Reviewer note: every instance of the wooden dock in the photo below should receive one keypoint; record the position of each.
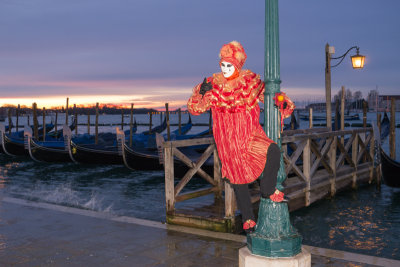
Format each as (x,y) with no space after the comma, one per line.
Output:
(318,163)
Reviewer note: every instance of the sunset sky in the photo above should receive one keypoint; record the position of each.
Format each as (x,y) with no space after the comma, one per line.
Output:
(150,52)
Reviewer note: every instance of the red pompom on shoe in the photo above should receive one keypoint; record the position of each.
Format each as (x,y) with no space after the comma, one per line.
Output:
(277,196)
(249,225)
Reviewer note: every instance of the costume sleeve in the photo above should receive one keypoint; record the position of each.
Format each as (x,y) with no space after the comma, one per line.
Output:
(289,107)
(254,88)
(197,103)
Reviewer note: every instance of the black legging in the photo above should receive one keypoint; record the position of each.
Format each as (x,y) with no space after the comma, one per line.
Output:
(267,183)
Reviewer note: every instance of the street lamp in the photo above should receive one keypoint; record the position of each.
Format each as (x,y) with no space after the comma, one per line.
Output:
(357,62)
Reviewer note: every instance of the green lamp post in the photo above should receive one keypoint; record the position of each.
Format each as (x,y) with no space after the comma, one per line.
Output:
(274,236)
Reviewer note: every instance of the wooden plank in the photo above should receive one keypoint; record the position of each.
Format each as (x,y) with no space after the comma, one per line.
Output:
(193,170)
(190,142)
(230,201)
(306,169)
(169,179)
(288,139)
(292,160)
(217,173)
(344,152)
(304,131)
(363,150)
(354,158)
(195,194)
(321,157)
(192,165)
(332,163)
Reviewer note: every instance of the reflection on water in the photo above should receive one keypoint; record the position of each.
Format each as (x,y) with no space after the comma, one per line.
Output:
(364,221)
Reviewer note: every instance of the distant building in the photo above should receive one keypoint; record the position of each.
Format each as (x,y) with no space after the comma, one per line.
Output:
(386,100)
(382,102)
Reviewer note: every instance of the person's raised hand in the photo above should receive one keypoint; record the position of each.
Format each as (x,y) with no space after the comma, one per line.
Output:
(205,87)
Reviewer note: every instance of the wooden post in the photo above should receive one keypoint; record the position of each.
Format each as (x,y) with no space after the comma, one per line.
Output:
(179,121)
(292,121)
(307,170)
(378,121)
(337,114)
(88,121)
(167,116)
(332,164)
(371,153)
(122,118)
(150,122)
(96,126)
(29,121)
(210,123)
(328,86)
(66,112)
(131,127)
(56,122)
(17,121)
(310,121)
(230,201)
(35,122)
(392,135)
(217,174)
(354,155)
(169,179)
(364,113)
(44,123)
(9,120)
(342,109)
(76,119)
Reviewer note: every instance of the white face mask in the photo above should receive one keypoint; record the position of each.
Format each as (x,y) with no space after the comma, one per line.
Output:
(227,69)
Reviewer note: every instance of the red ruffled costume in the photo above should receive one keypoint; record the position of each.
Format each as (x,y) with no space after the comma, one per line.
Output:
(241,141)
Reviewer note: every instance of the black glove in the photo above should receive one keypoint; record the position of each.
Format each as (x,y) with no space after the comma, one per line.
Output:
(205,87)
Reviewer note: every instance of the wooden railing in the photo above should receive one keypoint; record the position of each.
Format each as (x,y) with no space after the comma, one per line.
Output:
(173,193)
(318,162)
(321,162)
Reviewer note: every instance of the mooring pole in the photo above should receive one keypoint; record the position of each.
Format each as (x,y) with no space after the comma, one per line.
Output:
(122,118)
(274,235)
(131,127)
(35,122)
(44,123)
(18,108)
(96,126)
(56,122)
(76,119)
(9,121)
(66,112)
(392,135)
(167,117)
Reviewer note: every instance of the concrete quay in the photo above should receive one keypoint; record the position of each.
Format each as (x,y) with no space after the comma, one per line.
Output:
(41,234)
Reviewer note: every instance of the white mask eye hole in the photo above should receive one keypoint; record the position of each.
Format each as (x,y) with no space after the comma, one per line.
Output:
(227,69)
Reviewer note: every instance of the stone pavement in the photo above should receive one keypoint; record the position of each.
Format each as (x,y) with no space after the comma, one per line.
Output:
(40,234)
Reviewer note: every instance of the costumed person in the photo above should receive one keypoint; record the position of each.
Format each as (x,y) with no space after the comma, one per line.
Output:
(244,149)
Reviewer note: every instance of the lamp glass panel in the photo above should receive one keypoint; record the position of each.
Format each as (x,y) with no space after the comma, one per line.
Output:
(357,61)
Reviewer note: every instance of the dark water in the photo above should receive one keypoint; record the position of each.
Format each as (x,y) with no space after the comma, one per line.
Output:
(365,221)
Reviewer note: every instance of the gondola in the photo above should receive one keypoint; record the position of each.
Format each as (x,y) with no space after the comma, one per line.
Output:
(83,149)
(13,144)
(50,150)
(390,170)
(150,159)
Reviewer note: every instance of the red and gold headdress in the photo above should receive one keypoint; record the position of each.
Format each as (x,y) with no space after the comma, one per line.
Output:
(233,52)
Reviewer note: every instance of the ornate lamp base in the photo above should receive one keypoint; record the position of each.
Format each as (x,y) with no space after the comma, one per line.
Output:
(274,235)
